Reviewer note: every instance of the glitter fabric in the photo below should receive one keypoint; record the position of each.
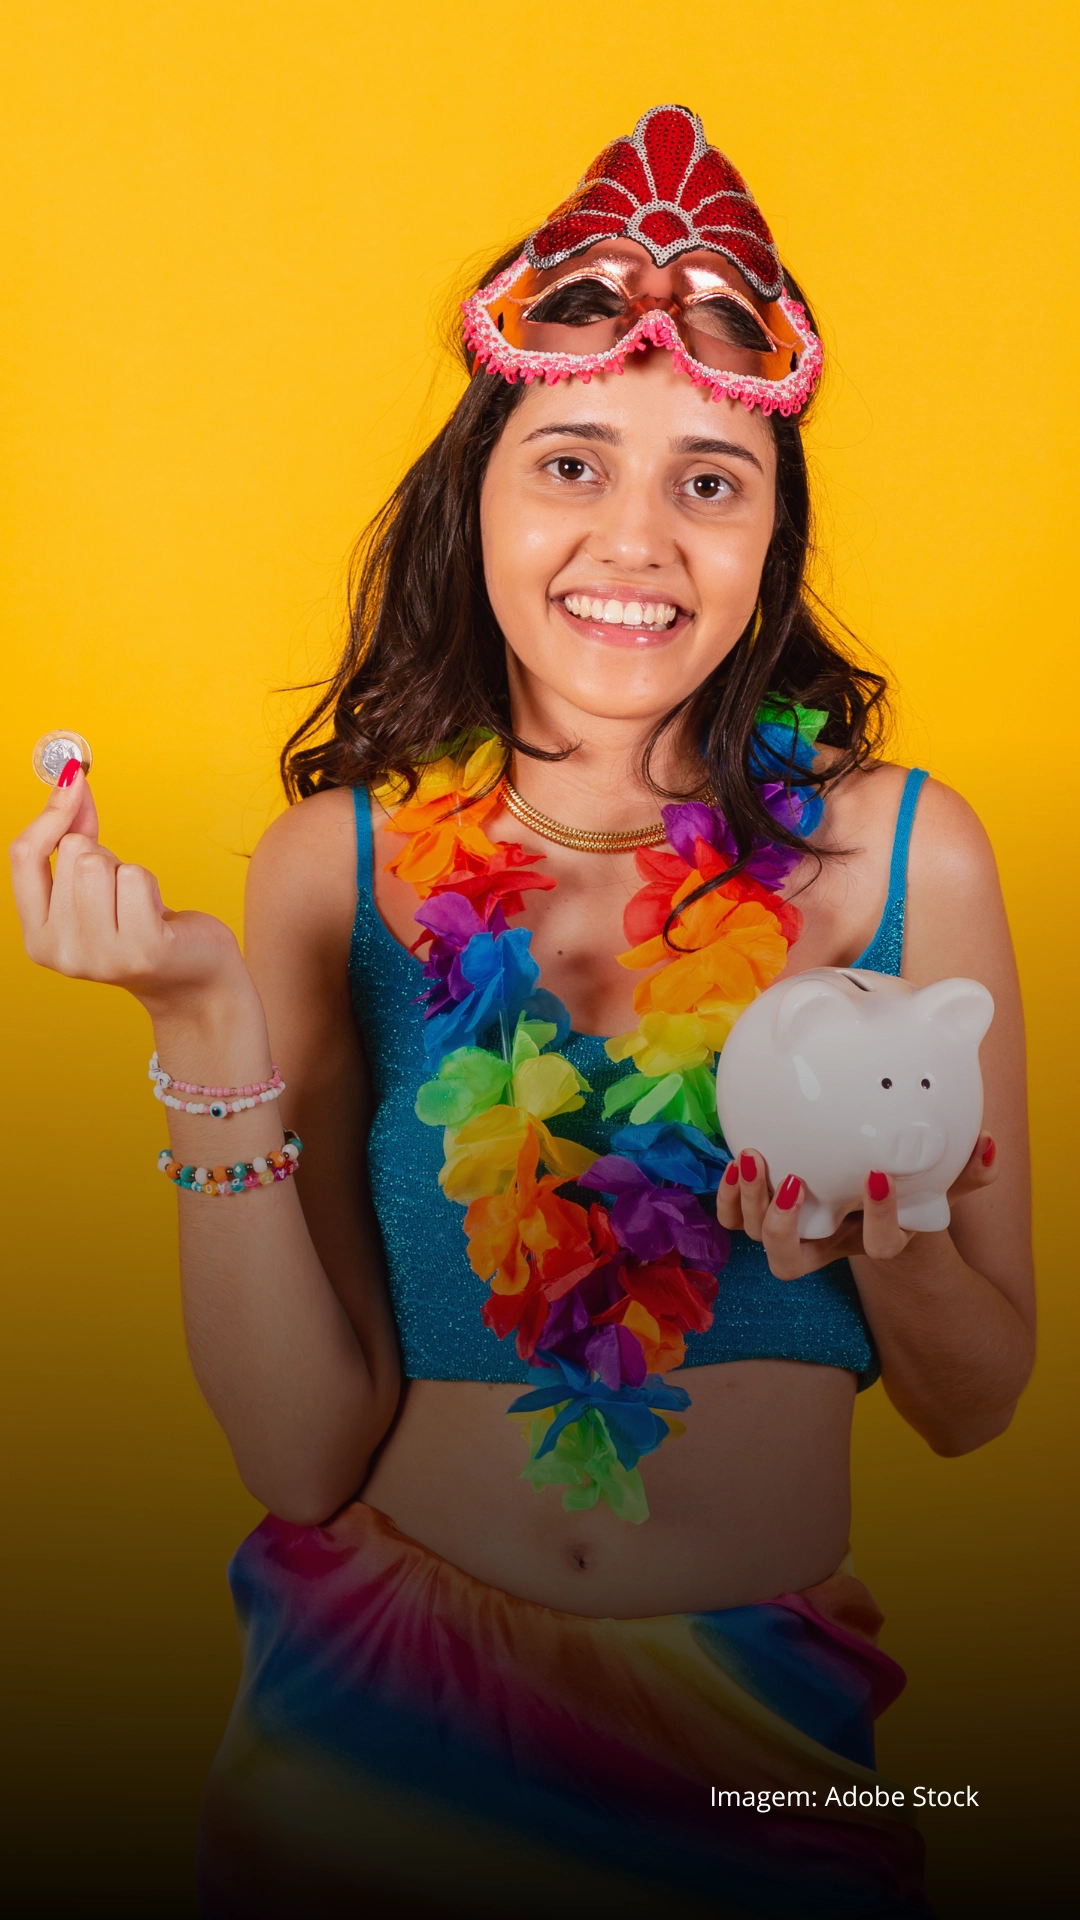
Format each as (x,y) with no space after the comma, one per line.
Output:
(437,1298)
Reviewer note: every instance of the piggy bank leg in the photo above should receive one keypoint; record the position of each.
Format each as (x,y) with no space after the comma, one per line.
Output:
(923,1213)
(818,1220)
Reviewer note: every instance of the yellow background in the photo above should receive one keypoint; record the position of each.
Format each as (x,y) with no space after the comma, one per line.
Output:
(229,230)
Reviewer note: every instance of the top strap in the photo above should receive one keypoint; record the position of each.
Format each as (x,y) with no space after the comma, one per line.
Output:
(365,860)
(885,953)
(905,818)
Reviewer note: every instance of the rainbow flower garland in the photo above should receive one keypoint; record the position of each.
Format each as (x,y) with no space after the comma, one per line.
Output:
(600,1298)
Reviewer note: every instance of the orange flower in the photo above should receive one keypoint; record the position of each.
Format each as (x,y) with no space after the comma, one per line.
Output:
(443,833)
(718,980)
(443,817)
(505,1228)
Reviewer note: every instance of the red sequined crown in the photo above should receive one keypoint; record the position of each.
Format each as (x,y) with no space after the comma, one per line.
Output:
(668,189)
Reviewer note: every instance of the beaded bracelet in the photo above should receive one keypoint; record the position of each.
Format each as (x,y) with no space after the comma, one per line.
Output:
(216,1102)
(242,1177)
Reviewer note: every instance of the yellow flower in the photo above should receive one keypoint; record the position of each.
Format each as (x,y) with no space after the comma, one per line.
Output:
(664,1043)
(482,1155)
(443,817)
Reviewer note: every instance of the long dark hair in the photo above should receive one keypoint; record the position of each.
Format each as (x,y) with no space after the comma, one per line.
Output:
(425,660)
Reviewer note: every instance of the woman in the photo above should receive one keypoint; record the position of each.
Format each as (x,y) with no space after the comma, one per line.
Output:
(582,1650)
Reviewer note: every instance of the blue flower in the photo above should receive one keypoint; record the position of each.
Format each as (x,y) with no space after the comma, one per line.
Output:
(673,1150)
(501,975)
(780,752)
(627,1412)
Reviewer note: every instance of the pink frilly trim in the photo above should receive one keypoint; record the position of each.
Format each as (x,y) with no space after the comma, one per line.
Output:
(495,354)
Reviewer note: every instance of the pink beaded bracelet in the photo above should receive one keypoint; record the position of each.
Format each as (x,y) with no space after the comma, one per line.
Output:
(216,1102)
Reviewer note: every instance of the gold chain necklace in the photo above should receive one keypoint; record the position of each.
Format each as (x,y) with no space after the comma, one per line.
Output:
(579,839)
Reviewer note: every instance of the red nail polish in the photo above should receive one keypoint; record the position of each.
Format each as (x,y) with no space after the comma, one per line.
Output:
(748,1166)
(731,1174)
(66,776)
(990,1153)
(878,1186)
(788,1195)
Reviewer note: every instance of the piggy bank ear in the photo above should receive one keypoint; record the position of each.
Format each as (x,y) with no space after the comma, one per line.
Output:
(810,1001)
(964,1007)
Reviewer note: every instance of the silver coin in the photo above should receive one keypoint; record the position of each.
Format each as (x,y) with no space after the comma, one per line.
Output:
(54,750)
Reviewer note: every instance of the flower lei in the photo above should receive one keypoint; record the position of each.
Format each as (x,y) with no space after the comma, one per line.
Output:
(599,1298)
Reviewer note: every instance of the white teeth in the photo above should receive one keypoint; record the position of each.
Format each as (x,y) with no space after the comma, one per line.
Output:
(618,613)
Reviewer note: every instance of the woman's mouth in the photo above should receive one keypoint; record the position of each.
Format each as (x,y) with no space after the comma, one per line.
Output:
(623,619)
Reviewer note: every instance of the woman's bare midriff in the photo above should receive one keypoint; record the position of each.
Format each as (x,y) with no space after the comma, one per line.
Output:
(752,1501)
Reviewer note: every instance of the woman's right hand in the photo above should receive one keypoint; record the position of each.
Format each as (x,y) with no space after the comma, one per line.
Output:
(95,917)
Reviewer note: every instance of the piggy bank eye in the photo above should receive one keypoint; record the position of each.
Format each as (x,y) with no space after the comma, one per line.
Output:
(886,1083)
(924,1083)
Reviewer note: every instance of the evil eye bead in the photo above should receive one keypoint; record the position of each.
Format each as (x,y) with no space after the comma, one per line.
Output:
(217,1109)
(54,750)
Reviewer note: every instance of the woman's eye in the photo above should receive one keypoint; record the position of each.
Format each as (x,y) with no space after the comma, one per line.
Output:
(708,486)
(568,467)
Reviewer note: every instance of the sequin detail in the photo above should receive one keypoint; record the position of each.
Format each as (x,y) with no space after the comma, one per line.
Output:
(666,188)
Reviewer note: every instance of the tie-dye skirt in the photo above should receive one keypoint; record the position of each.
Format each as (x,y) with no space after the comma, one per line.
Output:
(407,1741)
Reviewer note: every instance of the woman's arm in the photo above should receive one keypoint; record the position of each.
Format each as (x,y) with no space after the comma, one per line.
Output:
(292,1342)
(952,1313)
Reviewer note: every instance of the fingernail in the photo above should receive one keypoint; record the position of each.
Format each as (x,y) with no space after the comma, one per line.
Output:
(989,1153)
(731,1174)
(788,1195)
(748,1166)
(66,776)
(877,1186)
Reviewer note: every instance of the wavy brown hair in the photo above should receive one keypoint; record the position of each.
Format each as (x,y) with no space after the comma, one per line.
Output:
(425,660)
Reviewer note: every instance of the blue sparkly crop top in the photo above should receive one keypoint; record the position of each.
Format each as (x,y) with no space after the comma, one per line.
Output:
(436,1296)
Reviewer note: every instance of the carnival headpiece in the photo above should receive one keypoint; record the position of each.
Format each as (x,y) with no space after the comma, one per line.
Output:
(669,249)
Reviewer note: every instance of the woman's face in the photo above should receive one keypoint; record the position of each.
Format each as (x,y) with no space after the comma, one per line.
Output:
(625,525)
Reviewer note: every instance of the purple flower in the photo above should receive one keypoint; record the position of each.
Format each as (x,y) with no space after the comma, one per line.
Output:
(652,1221)
(454,921)
(694,821)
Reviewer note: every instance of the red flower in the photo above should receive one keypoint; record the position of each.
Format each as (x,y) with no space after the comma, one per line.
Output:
(648,912)
(503,878)
(663,1301)
(668,189)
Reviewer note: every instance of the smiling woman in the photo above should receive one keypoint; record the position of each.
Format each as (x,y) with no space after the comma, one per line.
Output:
(501,1662)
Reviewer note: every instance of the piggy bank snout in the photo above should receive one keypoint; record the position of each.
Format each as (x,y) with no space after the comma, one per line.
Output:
(914,1148)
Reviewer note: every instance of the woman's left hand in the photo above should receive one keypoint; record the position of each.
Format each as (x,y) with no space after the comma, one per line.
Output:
(748,1203)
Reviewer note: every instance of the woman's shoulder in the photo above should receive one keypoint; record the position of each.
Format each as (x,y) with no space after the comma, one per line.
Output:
(948,840)
(955,921)
(304,866)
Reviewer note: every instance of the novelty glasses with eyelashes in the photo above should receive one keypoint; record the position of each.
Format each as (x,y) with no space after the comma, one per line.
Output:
(531,325)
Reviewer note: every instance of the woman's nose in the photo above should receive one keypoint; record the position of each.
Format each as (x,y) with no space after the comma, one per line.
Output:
(630,528)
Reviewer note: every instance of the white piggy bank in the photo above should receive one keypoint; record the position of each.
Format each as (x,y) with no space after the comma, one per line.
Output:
(838,1071)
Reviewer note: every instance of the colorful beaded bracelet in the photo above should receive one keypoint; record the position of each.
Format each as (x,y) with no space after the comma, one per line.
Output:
(241,1178)
(216,1102)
